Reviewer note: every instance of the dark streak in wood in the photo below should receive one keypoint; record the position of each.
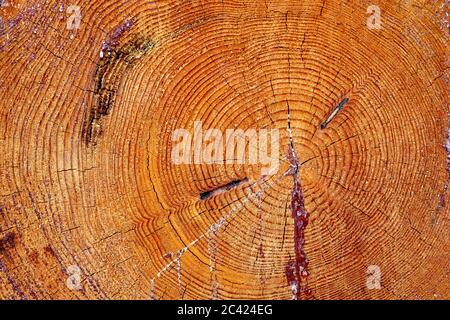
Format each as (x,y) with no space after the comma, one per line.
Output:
(333,113)
(111,69)
(210,193)
(297,271)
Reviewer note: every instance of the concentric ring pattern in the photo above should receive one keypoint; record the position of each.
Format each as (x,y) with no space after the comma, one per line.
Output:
(88,180)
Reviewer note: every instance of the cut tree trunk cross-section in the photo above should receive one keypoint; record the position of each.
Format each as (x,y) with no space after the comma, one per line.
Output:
(353,203)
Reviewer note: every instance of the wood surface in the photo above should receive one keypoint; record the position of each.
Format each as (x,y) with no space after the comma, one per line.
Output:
(92,207)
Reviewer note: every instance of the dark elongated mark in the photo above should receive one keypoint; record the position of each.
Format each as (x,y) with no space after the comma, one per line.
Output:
(292,278)
(231,185)
(333,114)
(113,65)
(297,270)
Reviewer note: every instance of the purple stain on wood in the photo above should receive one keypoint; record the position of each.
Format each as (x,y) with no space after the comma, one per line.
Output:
(297,271)
(168,255)
(34,295)
(442,197)
(8,241)
(447,146)
(152,289)
(442,204)
(113,38)
(27,14)
(218,190)
(15,287)
(32,57)
(261,250)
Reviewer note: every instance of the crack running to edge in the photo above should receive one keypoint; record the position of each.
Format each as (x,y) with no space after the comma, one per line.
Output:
(297,270)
